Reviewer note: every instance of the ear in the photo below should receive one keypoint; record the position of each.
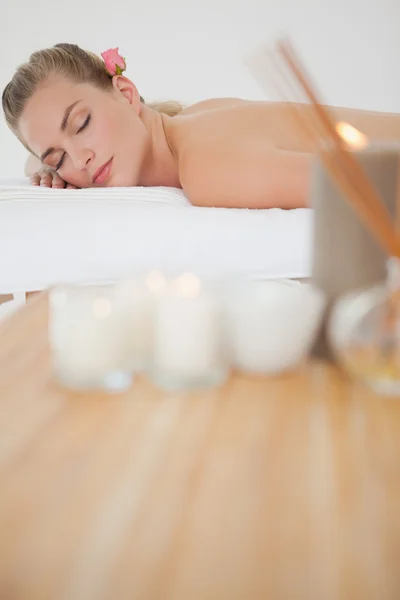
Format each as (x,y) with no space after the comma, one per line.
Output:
(129,91)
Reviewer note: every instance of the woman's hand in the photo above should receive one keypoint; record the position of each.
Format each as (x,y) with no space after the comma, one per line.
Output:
(49,178)
(39,174)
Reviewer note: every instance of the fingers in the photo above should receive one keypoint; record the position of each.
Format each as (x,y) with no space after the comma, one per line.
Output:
(58,182)
(35,179)
(46,178)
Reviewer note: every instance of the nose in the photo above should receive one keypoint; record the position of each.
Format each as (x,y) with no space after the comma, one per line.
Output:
(81,158)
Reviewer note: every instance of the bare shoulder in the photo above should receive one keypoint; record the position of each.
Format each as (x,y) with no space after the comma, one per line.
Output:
(228,159)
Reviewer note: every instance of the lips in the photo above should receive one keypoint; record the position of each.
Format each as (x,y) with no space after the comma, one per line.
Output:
(102,173)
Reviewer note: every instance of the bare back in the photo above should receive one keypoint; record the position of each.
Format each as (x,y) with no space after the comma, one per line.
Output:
(273,121)
(241,153)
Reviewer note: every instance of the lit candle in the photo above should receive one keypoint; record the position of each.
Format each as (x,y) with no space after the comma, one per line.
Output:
(271,325)
(86,337)
(345,254)
(187,336)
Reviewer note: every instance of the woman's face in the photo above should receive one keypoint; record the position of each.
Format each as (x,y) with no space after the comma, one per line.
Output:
(92,137)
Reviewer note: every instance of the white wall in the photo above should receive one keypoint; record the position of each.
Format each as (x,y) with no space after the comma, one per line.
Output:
(189,50)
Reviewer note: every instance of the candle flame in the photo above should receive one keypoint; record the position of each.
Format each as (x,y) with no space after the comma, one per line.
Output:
(352,136)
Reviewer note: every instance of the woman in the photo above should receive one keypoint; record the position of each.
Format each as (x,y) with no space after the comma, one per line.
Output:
(86,127)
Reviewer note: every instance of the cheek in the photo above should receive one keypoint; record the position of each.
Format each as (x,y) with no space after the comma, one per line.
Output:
(106,129)
(111,127)
(119,132)
(78,178)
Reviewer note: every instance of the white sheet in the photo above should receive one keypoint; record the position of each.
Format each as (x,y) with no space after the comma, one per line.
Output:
(50,236)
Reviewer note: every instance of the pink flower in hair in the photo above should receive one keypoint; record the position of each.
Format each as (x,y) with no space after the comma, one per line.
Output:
(114,63)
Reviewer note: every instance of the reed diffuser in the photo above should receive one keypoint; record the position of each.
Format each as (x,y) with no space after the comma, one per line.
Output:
(355,233)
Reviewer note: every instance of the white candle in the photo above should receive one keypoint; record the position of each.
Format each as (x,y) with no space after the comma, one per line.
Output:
(270,325)
(187,335)
(87,338)
(345,254)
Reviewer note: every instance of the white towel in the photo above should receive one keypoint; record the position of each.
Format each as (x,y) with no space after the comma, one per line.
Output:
(21,190)
(101,234)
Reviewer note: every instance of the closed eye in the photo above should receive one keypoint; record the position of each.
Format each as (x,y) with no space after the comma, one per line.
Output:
(85,124)
(59,165)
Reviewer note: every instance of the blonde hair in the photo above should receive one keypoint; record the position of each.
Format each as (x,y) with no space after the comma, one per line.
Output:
(65,59)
